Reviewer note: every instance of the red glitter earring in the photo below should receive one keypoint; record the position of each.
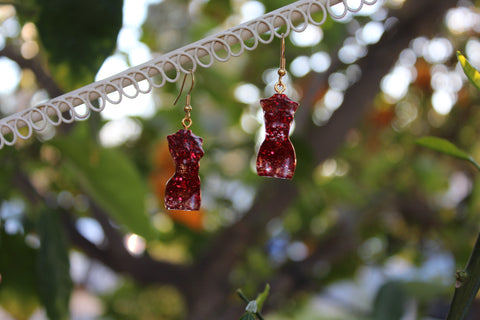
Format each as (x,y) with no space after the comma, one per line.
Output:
(276,157)
(183,189)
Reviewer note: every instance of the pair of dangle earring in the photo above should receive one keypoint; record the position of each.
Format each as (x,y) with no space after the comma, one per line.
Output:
(183,189)
(276,157)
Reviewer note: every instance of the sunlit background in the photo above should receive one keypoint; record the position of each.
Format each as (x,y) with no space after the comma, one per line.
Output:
(412,66)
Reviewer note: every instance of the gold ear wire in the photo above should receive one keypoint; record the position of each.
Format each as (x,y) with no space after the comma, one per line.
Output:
(183,85)
(186,121)
(282,53)
(280,86)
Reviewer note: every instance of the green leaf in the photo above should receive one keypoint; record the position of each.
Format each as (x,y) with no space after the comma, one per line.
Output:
(262,297)
(472,74)
(18,290)
(446,147)
(248,316)
(53,266)
(390,302)
(78,36)
(110,178)
(219,10)
(443,146)
(135,301)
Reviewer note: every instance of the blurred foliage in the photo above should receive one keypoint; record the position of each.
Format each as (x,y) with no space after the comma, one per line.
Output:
(444,146)
(254,307)
(390,302)
(131,302)
(18,283)
(77,35)
(467,281)
(472,73)
(53,266)
(102,172)
(397,198)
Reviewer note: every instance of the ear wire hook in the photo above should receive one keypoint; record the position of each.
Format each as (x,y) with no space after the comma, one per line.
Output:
(183,85)
(280,86)
(186,121)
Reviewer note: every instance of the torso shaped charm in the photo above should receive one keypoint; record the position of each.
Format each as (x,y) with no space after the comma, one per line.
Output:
(183,189)
(276,157)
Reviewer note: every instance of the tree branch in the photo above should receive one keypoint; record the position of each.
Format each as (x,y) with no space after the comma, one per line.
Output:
(229,246)
(415,18)
(143,269)
(207,287)
(35,65)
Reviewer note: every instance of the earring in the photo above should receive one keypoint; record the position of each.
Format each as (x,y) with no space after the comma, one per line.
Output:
(276,157)
(183,189)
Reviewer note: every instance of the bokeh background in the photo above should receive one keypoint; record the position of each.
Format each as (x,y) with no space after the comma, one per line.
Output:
(372,226)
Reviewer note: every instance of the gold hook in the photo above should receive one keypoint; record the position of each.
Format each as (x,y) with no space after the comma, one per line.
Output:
(186,121)
(280,86)
(183,85)
(282,53)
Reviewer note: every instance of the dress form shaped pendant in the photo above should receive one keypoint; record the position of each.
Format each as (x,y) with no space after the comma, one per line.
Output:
(183,189)
(276,157)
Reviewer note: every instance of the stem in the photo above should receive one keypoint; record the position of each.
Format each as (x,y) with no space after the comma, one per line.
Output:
(466,288)
(242,295)
(475,163)
(468,283)
(244,298)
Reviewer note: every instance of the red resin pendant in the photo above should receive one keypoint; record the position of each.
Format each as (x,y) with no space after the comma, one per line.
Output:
(276,157)
(183,189)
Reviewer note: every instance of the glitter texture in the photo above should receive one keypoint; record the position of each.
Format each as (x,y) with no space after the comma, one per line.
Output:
(183,189)
(276,157)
